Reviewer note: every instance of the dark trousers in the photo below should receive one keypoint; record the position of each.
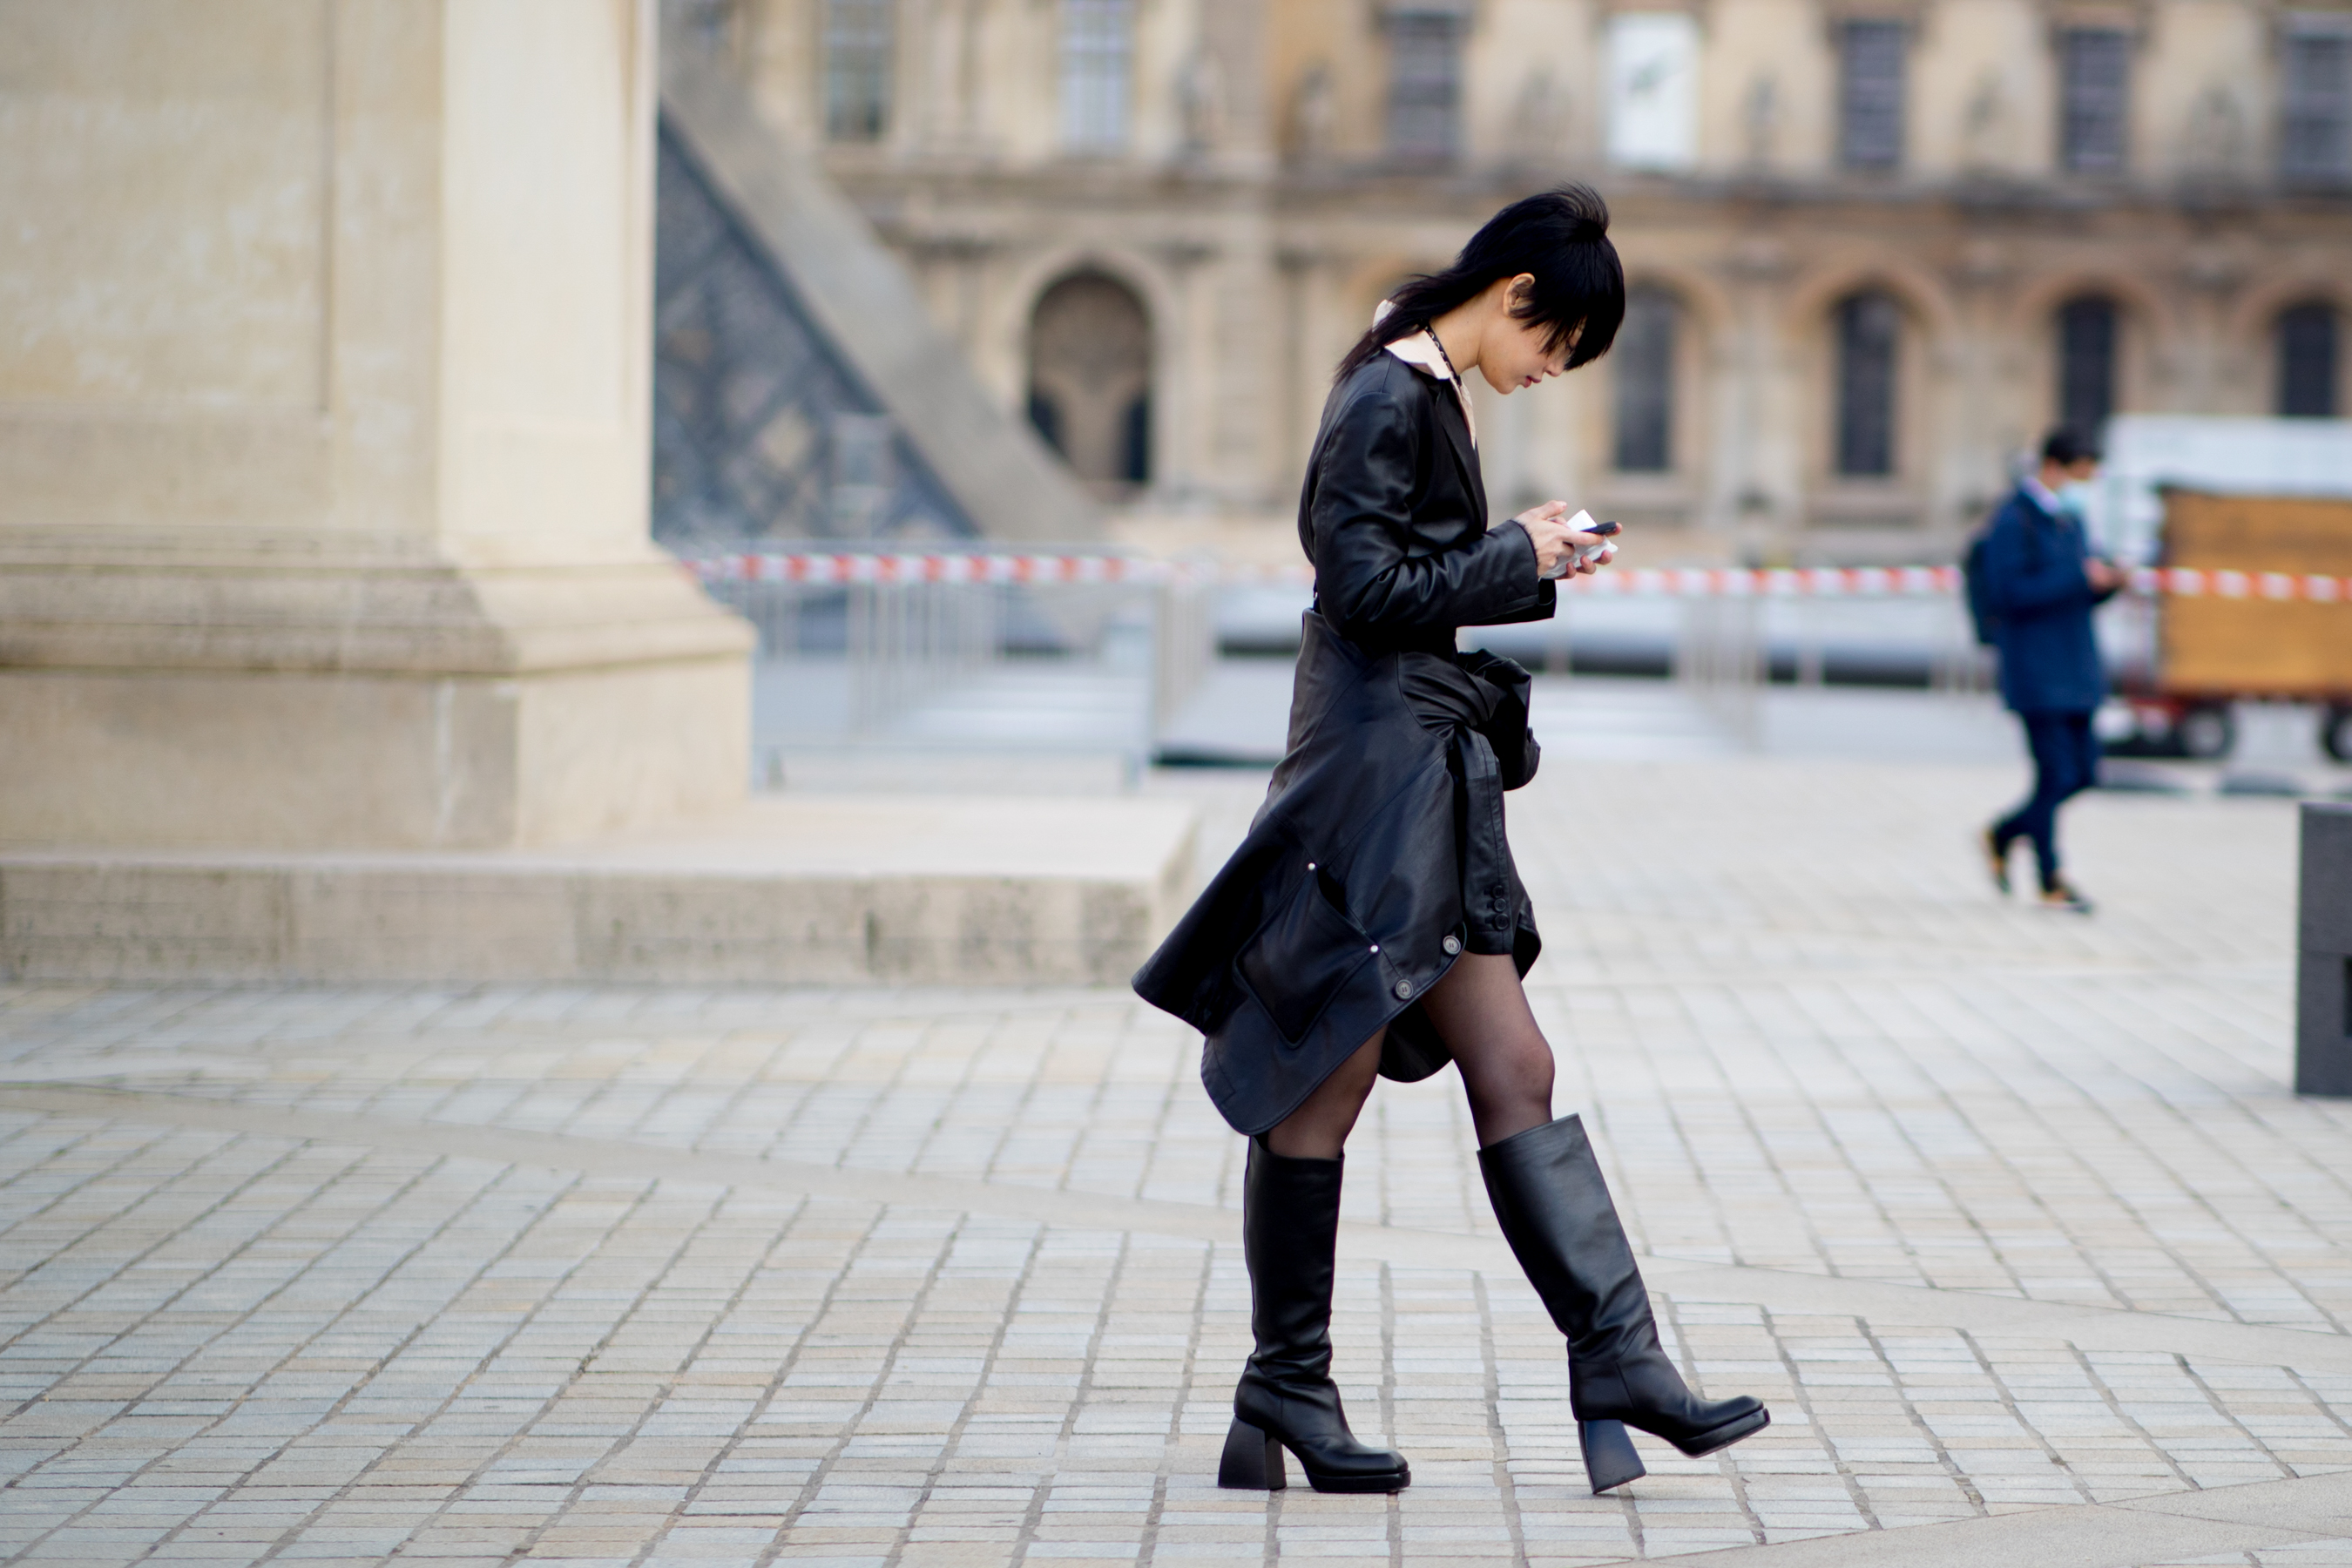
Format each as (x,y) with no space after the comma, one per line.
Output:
(2065,764)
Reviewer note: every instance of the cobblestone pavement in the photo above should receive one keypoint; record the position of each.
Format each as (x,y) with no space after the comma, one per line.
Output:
(2007,1215)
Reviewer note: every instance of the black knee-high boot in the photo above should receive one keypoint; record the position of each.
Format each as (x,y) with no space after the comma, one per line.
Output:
(1290,1229)
(1555,1211)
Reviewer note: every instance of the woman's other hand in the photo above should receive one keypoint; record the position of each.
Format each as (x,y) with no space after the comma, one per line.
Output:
(1556,542)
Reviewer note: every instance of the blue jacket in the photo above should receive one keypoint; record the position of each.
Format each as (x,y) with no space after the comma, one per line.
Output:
(2036,586)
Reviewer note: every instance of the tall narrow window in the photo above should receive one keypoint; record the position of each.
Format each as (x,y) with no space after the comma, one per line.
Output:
(1098,65)
(1869,332)
(857,69)
(2094,80)
(1653,59)
(2306,360)
(1644,361)
(2086,364)
(2315,134)
(1424,84)
(1870,95)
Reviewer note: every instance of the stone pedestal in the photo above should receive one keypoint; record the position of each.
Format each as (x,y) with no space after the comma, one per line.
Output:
(782,890)
(324,344)
(2322,1008)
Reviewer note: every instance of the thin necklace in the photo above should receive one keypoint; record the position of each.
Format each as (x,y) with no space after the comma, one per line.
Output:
(1451,373)
(1461,387)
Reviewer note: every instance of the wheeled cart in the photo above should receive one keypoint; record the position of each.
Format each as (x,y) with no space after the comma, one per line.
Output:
(2252,603)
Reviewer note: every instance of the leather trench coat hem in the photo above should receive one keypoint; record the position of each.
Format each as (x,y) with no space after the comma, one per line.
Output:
(1344,904)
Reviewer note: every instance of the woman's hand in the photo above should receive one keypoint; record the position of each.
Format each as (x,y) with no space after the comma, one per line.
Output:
(1556,542)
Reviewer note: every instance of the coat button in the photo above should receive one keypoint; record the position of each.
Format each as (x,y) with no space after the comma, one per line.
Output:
(1404,988)
(1451,944)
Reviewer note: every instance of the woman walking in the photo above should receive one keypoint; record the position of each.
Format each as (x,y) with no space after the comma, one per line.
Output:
(1372,923)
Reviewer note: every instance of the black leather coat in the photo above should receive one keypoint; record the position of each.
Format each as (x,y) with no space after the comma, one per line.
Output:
(1379,856)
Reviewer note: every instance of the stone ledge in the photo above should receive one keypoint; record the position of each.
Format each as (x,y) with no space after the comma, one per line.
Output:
(787,889)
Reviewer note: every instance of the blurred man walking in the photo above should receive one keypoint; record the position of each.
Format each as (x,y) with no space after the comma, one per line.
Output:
(2036,581)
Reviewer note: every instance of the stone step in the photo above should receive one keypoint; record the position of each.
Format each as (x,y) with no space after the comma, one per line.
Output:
(786,889)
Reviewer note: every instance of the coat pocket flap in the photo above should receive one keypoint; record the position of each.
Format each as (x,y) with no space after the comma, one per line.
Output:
(1302,956)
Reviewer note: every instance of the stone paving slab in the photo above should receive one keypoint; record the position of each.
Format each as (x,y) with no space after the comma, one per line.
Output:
(927,1276)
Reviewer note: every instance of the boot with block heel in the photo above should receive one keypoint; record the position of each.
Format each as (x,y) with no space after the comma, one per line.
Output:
(1290,1231)
(1555,1211)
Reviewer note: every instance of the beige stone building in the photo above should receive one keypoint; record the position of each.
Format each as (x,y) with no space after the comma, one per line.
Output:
(1876,245)
(325,370)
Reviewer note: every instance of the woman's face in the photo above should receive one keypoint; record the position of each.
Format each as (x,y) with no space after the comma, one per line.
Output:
(1515,353)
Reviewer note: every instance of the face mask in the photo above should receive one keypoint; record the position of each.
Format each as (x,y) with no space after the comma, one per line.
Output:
(2075,496)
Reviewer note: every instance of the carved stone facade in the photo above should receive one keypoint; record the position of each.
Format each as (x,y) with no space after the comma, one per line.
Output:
(1887,242)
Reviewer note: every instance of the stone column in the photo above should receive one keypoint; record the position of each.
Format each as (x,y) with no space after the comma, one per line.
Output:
(324,345)
(1758,489)
(1184,430)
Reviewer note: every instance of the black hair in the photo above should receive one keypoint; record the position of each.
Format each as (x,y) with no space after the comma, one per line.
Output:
(1560,239)
(2067,447)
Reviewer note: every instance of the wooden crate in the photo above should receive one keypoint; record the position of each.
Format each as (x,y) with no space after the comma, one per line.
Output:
(2256,646)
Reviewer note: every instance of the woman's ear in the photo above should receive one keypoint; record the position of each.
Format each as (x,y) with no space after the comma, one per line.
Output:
(1522,292)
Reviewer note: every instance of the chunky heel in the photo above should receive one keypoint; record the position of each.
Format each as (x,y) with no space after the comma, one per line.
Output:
(1609,1457)
(1253,1460)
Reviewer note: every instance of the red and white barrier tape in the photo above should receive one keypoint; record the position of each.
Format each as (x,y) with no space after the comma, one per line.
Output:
(2188,583)
(839,569)
(1649,582)
(1788,583)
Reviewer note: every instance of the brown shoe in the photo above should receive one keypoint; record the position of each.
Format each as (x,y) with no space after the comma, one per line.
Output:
(1997,858)
(2066,896)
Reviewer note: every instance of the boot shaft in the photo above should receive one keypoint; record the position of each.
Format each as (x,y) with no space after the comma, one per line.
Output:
(1290,1236)
(1555,1210)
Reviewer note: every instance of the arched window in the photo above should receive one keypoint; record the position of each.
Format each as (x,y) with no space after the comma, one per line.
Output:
(1644,361)
(1869,337)
(1090,380)
(2307,370)
(2086,363)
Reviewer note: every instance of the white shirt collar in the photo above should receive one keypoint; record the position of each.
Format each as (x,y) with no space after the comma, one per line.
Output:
(2043,496)
(1421,351)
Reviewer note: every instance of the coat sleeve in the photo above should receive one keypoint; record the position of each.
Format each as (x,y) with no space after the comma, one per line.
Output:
(2030,580)
(1362,517)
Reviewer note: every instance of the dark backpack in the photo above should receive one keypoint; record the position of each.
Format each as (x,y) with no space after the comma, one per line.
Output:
(1976,574)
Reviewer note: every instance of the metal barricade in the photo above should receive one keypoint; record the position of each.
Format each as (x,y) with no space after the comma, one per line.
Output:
(1720,656)
(965,650)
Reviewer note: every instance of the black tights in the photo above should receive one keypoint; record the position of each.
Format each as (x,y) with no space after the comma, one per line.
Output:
(1481,1012)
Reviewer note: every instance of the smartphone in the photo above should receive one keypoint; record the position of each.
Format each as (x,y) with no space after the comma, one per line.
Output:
(1582,523)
